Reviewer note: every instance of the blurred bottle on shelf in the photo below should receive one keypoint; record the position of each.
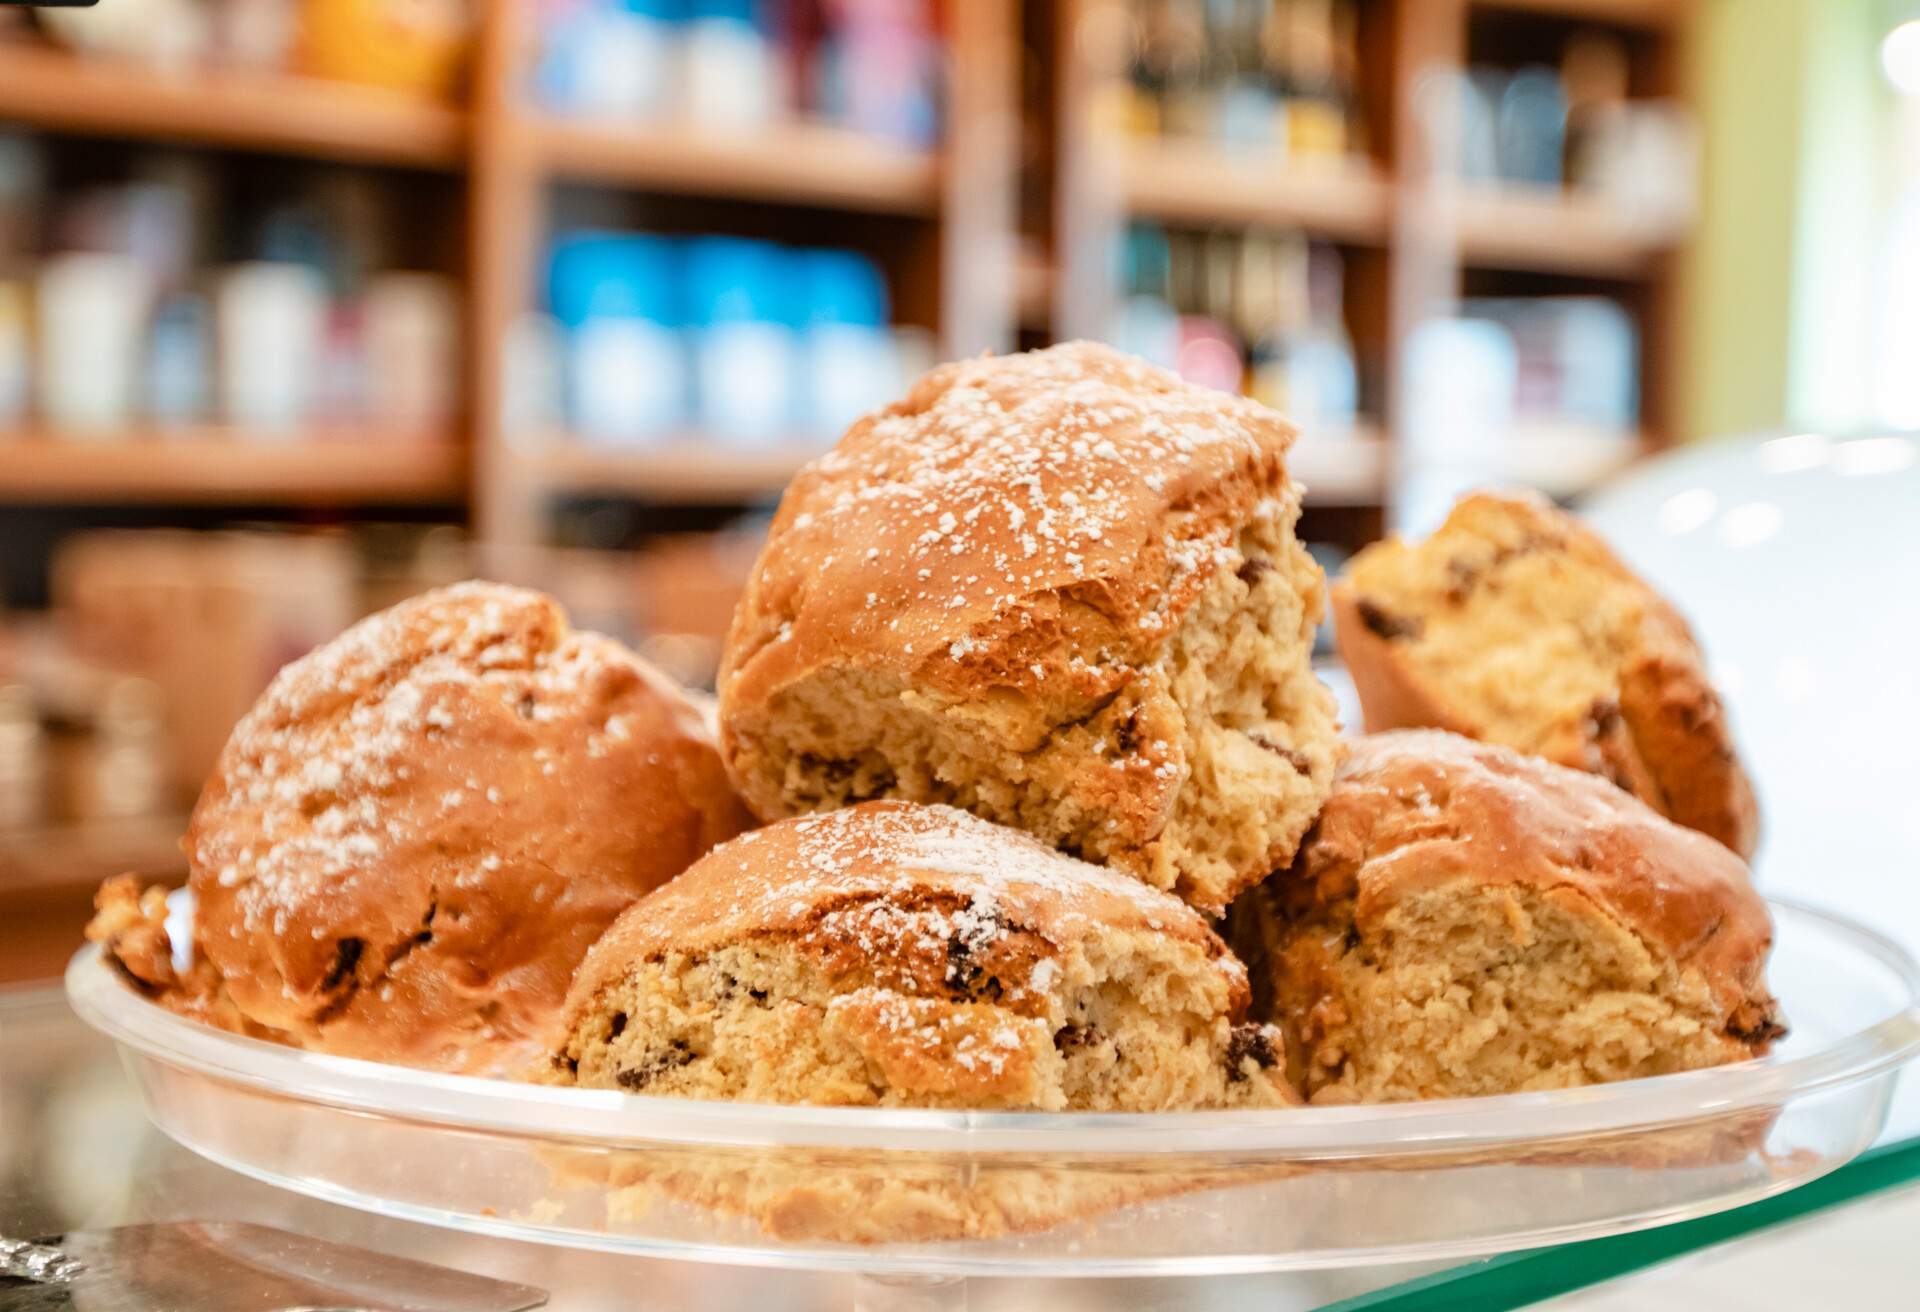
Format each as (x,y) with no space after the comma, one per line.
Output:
(1575,360)
(1210,352)
(617,58)
(1596,73)
(121,772)
(15,367)
(1530,128)
(1461,376)
(876,67)
(1573,125)
(1280,75)
(1319,67)
(92,312)
(411,46)
(412,350)
(178,362)
(166,36)
(1300,360)
(734,78)
(271,324)
(1259,312)
(745,343)
(617,297)
(23,760)
(1148,326)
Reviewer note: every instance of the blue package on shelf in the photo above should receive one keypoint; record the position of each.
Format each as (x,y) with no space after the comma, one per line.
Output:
(610,57)
(744,305)
(619,296)
(851,362)
(843,287)
(628,274)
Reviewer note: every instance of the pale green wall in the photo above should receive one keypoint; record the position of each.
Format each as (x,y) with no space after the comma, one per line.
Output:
(1776,287)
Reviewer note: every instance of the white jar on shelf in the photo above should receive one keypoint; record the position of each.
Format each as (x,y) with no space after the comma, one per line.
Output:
(270,320)
(92,317)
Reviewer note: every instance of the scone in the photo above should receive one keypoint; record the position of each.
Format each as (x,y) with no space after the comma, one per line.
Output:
(893,954)
(1514,623)
(1060,590)
(413,838)
(1466,920)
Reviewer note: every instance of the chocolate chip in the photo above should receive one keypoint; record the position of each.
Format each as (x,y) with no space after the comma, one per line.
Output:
(964,974)
(1250,1042)
(619,1024)
(1128,736)
(675,1055)
(1385,624)
(346,955)
(1253,569)
(1072,1037)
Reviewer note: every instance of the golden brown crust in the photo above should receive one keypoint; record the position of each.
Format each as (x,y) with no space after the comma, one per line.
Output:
(859,888)
(413,838)
(1014,523)
(1660,733)
(1419,809)
(1014,546)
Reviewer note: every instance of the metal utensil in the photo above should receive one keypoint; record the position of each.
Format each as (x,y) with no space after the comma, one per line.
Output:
(232,1266)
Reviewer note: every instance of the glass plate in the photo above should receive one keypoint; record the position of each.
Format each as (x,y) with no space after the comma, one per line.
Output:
(969,1193)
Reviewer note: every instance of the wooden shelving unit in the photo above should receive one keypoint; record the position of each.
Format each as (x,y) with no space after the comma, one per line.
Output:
(1191,183)
(1564,459)
(1415,239)
(211,467)
(687,470)
(1551,231)
(1345,470)
(57,92)
(792,164)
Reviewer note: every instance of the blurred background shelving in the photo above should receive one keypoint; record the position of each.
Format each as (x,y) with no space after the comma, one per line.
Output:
(565,293)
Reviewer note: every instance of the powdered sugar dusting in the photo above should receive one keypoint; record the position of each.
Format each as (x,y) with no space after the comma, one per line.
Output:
(864,870)
(316,777)
(999,479)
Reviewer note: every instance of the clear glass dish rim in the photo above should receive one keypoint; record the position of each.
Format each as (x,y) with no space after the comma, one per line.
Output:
(588,1117)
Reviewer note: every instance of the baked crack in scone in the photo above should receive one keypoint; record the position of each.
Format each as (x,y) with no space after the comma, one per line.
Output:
(1060,590)
(1514,623)
(413,838)
(1466,920)
(892,954)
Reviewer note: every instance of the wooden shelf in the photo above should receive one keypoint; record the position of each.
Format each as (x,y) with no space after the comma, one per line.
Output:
(1547,230)
(1345,470)
(216,467)
(1565,459)
(80,856)
(686,470)
(792,163)
(52,90)
(1192,182)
